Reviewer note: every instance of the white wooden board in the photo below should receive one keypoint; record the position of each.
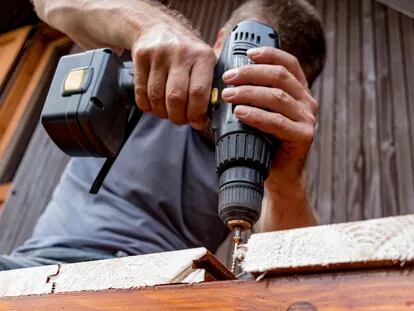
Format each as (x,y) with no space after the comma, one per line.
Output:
(119,273)
(372,243)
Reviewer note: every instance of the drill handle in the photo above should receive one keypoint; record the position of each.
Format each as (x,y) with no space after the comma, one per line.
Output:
(126,82)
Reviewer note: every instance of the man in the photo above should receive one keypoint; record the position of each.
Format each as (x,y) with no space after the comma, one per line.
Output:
(161,193)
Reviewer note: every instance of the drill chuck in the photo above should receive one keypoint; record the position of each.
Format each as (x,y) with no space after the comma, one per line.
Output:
(243,164)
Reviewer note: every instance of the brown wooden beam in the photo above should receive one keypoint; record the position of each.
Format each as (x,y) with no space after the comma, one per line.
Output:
(381,290)
(404,6)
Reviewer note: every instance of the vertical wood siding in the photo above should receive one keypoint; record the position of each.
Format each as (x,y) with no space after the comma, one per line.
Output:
(361,163)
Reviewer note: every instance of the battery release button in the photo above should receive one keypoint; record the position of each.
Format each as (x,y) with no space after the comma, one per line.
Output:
(77,81)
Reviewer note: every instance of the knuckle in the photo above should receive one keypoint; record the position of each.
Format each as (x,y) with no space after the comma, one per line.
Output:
(197,91)
(310,118)
(205,51)
(142,52)
(175,97)
(308,136)
(313,105)
(281,72)
(155,97)
(294,61)
(280,121)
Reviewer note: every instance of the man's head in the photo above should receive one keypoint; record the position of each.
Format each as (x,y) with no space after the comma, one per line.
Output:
(299,27)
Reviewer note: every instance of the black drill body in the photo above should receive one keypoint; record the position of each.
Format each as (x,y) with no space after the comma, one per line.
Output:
(243,154)
(90,111)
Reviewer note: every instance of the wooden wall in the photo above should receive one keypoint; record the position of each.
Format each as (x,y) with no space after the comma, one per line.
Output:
(362,161)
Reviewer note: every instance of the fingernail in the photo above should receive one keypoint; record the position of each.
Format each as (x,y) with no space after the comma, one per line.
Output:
(229,92)
(242,111)
(230,74)
(254,52)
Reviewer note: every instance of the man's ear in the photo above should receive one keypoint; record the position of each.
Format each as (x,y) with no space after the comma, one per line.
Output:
(219,40)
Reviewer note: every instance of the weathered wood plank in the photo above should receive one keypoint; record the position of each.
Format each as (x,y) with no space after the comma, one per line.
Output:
(326,119)
(404,6)
(363,291)
(370,182)
(385,115)
(404,161)
(355,159)
(11,44)
(371,243)
(313,163)
(31,191)
(407,28)
(120,273)
(341,148)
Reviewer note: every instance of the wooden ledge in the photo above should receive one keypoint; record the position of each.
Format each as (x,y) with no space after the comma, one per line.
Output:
(375,243)
(382,290)
(185,266)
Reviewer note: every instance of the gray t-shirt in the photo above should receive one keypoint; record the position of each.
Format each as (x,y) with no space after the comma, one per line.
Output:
(160,195)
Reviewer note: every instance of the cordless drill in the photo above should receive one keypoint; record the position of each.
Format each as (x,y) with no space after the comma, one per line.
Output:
(90,111)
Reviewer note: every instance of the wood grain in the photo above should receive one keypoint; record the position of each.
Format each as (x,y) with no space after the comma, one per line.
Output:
(191,265)
(355,159)
(385,115)
(388,290)
(404,6)
(371,243)
(341,107)
(368,165)
(12,111)
(326,120)
(404,159)
(11,43)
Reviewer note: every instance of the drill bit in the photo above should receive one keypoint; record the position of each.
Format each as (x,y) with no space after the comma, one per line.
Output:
(236,240)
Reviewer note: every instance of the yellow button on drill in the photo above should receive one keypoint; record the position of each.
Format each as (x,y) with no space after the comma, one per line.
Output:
(73,81)
(77,81)
(214,96)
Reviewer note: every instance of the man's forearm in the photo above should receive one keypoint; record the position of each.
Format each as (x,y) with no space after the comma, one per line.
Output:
(287,208)
(98,23)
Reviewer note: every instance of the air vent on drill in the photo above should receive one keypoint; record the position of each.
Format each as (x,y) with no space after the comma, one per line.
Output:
(240,51)
(247,36)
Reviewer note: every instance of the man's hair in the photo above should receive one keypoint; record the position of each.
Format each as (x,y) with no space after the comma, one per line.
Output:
(299,27)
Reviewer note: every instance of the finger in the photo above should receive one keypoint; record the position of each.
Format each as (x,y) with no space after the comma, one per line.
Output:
(273,56)
(276,100)
(267,75)
(199,92)
(176,93)
(156,89)
(275,124)
(141,70)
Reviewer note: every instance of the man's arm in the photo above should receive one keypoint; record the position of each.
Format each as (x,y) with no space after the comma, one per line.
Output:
(287,208)
(173,66)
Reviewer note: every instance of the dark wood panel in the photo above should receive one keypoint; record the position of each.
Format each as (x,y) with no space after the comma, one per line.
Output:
(405,185)
(340,121)
(31,191)
(355,162)
(369,159)
(386,290)
(326,119)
